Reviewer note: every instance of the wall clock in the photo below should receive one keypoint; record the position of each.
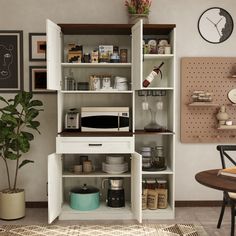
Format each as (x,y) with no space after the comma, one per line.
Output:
(215,25)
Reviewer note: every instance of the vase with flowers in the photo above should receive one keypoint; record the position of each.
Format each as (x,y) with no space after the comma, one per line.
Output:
(138,9)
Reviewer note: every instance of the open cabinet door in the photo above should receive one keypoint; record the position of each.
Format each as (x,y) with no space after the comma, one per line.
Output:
(137,55)
(54,186)
(136,186)
(53,55)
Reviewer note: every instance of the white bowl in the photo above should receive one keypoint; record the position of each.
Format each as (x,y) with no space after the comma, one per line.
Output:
(115,168)
(114,159)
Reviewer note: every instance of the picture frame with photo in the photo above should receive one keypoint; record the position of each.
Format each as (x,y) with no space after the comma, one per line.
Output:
(38,80)
(11,61)
(37,46)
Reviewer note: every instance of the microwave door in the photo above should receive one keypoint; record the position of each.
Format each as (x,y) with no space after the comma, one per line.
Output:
(96,122)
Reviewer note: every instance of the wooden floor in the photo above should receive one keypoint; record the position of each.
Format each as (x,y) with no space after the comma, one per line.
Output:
(205,216)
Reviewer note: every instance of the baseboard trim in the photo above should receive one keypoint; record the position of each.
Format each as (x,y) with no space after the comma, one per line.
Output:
(198,203)
(36,204)
(177,204)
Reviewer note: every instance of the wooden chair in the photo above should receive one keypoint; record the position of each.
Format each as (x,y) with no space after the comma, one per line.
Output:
(228,198)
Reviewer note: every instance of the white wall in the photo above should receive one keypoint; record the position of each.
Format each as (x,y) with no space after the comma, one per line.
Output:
(30,16)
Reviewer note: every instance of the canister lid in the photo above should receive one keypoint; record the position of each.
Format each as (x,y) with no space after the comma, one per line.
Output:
(146,149)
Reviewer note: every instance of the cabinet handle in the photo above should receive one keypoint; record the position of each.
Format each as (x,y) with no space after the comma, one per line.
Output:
(95,144)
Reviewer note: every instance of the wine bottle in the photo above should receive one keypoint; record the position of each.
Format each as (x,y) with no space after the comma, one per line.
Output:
(152,75)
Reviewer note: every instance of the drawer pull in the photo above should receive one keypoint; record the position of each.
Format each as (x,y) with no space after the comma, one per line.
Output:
(95,144)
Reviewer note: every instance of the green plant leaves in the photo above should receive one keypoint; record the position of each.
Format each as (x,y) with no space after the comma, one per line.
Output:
(35,103)
(10,155)
(16,117)
(24,163)
(3,99)
(31,114)
(28,135)
(8,118)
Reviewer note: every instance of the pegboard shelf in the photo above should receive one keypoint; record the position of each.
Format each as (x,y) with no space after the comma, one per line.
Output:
(231,104)
(198,120)
(227,127)
(203,104)
(232,77)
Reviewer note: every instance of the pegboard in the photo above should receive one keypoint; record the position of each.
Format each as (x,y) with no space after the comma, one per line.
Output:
(210,74)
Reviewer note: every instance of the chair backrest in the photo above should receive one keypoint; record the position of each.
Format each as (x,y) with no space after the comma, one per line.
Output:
(225,154)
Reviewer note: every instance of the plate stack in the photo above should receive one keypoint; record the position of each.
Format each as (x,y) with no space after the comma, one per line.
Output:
(115,165)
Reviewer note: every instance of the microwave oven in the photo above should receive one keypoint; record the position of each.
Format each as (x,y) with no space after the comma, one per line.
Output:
(103,119)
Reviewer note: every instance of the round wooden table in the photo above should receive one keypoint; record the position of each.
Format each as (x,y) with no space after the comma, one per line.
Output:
(210,178)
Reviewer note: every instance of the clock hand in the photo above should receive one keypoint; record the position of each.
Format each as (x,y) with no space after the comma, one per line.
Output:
(211,21)
(219,21)
(218,31)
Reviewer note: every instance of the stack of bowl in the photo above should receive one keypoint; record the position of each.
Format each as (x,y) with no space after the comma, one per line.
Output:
(115,165)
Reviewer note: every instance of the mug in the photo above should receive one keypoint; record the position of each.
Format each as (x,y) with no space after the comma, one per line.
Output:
(78,168)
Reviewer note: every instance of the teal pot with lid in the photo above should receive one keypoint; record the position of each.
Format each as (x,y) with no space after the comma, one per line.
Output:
(84,198)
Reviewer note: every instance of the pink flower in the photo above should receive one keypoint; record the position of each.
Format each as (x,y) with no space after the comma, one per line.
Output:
(138,6)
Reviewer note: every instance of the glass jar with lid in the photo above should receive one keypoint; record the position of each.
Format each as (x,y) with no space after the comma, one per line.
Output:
(151,183)
(162,191)
(161,184)
(146,153)
(159,158)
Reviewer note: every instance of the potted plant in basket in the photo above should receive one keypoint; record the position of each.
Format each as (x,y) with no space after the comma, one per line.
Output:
(138,9)
(17,120)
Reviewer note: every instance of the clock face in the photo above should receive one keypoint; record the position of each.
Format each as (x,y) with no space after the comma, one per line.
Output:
(215,25)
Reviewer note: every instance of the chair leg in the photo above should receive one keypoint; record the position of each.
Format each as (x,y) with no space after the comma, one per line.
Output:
(232,218)
(221,213)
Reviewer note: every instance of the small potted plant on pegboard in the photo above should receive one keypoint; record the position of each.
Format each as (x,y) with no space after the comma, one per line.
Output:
(138,9)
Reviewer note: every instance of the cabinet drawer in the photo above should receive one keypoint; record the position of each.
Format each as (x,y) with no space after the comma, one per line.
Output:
(94,144)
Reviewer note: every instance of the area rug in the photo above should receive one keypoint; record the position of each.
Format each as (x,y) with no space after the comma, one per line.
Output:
(103,230)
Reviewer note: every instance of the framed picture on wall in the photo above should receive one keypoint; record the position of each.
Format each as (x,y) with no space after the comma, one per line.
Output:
(37,46)
(38,79)
(11,61)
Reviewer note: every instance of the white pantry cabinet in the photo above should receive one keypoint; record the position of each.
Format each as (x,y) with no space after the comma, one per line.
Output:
(97,145)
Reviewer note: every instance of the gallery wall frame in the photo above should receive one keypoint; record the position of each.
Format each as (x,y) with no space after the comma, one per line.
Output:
(38,80)
(37,46)
(11,61)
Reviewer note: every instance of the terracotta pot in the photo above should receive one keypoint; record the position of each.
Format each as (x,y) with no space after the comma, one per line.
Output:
(12,205)
(134,18)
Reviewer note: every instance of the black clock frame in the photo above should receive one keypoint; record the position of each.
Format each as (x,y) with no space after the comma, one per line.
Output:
(232,24)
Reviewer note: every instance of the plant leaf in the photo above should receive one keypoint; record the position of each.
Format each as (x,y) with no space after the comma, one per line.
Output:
(34,124)
(24,162)
(28,135)
(3,99)
(35,103)
(31,114)
(11,156)
(9,118)
(11,108)
(20,143)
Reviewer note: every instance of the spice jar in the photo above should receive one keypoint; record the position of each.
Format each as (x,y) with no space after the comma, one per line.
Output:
(162,194)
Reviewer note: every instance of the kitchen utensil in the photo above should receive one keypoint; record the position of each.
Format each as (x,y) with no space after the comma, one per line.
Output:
(72,119)
(84,198)
(115,193)
(115,183)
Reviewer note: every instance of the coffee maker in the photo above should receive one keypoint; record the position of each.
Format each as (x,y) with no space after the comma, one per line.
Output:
(115,192)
